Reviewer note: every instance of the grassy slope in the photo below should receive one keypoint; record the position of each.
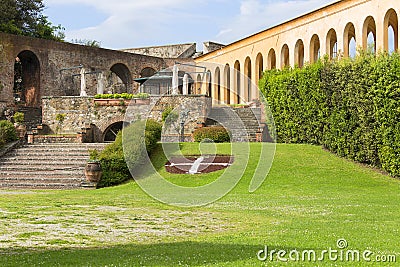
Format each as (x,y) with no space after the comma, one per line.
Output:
(310,199)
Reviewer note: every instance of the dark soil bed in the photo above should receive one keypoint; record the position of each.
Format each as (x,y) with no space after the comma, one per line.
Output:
(211,163)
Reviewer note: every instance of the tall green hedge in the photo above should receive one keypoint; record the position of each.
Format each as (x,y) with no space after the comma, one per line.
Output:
(351,107)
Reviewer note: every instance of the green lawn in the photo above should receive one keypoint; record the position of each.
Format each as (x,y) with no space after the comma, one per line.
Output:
(310,200)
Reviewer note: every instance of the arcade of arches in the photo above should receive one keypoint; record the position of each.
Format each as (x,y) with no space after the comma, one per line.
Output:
(338,30)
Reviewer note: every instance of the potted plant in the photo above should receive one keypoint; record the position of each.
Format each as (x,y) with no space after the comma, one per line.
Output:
(142,98)
(19,118)
(93,170)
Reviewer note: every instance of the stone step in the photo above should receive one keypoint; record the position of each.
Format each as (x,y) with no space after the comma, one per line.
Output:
(31,180)
(46,166)
(37,157)
(60,186)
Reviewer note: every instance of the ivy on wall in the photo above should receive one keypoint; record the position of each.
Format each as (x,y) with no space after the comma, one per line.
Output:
(351,107)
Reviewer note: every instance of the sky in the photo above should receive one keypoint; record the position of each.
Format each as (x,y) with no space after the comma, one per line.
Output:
(119,24)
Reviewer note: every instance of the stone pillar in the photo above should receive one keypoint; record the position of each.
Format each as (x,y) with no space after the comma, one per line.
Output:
(175,80)
(100,83)
(380,35)
(83,83)
(185,89)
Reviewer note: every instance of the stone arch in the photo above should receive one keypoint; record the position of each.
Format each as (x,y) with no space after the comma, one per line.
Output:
(247,84)
(369,34)
(332,44)
(147,72)
(285,56)
(315,48)
(299,53)
(120,79)
(227,84)
(391,23)
(27,79)
(217,84)
(349,40)
(259,67)
(237,84)
(271,59)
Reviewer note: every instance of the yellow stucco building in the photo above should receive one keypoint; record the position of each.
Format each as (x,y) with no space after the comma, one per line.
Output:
(333,30)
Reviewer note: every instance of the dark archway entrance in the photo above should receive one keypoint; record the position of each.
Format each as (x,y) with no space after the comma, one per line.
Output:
(120,79)
(27,80)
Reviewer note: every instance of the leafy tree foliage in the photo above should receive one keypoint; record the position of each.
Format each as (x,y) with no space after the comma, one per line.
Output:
(24,17)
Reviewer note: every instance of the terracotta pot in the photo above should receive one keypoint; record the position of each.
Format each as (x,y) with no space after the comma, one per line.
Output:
(21,131)
(93,171)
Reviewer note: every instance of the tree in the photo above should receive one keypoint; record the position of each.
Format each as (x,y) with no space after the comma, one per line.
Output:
(86,42)
(24,17)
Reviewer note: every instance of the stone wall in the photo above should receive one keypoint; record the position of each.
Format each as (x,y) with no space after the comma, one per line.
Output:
(95,116)
(166,51)
(53,57)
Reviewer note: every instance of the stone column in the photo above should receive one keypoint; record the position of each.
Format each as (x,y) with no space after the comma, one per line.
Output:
(83,83)
(175,80)
(100,83)
(185,89)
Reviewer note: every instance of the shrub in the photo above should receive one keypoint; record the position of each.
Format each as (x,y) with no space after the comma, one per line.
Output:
(349,106)
(112,158)
(19,117)
(217,134)
(7,132)
(123,96)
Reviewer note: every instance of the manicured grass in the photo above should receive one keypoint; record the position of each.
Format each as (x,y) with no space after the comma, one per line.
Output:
(310,200)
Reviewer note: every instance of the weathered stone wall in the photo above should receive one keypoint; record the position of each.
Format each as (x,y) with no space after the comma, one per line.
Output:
(84,113)
(166,51)
(55,56)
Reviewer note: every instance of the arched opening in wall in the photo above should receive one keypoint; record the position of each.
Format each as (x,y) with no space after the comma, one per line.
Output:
(119,79)
(349,40)
(247,73)
(271,59)
(111,132)
(285,56)
(391,31)
(299,53)
(209,84)
(147,72)
(332,44)
(237,82)
(217,84)
(27,80)
(259,67)
(315,49)
(369,35)
(227,84)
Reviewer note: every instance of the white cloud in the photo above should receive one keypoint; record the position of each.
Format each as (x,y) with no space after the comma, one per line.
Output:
(257,15)
(132,23)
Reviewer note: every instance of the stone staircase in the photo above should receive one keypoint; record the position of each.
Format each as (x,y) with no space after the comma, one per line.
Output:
(243,123)
(45,166)
(33,117)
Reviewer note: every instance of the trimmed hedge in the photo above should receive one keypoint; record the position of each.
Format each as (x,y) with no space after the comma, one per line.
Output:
(112,158)
(7,132)
(217,134)
(351,107)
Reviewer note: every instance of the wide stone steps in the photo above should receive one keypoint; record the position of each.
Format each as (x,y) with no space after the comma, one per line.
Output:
(243,123)
(46,166)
